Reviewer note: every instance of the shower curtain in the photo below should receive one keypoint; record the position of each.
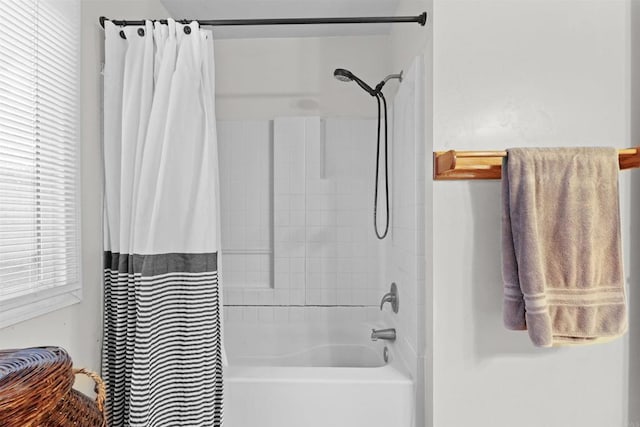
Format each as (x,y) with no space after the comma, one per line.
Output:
(162,350)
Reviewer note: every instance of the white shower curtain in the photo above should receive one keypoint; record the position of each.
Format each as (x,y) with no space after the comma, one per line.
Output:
(162,351)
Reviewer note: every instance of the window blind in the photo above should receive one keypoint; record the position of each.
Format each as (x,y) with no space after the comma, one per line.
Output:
(39,152)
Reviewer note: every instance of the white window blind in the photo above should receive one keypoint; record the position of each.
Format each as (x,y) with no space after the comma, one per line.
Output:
(39,157)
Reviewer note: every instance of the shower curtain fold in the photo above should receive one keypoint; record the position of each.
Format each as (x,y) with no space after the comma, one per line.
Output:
(162,349)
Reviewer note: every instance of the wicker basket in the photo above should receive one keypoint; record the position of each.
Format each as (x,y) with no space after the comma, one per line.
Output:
(36,391)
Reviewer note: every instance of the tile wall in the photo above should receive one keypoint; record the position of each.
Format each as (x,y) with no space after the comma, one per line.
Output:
(292,314)
(246,171)
(296,207)
(342,250)
(405,249)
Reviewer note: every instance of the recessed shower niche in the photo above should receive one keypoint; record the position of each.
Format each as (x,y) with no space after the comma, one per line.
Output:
(297,202)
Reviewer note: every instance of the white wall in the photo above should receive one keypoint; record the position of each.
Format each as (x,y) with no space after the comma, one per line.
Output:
(509,74)
(267,78)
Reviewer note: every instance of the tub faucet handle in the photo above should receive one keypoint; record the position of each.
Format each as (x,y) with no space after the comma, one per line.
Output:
(391,297)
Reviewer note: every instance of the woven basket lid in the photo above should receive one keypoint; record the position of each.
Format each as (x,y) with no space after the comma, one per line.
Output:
(32,382)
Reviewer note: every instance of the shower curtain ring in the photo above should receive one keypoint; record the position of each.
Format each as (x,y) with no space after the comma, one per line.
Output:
(122,34)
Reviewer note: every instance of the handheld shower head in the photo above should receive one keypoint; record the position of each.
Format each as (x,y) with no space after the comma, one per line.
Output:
(347,76)
(343,75)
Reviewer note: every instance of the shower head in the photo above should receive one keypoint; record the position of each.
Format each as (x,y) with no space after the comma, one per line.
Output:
(343,75)
(347,76)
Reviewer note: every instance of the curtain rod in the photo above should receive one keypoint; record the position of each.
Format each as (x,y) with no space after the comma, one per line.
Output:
(420,19)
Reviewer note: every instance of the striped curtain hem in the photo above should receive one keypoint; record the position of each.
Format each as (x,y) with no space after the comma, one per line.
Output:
(162,351)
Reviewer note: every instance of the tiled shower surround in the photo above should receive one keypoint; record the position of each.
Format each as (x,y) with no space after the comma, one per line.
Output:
(297,199)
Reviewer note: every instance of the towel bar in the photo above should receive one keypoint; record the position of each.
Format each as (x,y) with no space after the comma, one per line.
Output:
(456,165)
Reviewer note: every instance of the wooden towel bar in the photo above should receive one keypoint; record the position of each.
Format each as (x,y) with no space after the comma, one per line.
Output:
(455,165)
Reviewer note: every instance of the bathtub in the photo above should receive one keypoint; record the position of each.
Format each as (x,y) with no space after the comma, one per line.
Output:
(312,375)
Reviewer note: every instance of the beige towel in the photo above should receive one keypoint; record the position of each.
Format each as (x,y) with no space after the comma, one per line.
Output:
(561,246)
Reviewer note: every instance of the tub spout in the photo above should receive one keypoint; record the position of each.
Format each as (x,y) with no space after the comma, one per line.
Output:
(383,334)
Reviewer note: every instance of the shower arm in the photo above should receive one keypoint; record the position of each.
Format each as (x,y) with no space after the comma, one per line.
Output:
(380,85)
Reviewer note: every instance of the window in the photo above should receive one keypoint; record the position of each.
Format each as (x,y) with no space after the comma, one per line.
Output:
(39,157)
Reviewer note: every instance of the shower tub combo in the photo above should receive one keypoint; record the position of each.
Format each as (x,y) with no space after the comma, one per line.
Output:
(311,375)
(320,373)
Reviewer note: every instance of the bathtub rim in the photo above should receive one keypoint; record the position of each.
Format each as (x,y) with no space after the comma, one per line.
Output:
(303,374)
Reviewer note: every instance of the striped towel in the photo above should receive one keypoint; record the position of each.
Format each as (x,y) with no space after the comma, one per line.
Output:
(561,245)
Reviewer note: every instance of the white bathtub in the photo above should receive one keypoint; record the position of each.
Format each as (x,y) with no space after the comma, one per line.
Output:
(305,375)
